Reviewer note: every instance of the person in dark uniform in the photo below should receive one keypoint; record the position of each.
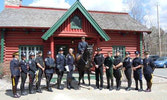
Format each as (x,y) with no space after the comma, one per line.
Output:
(32,72)
(60,66)
(41,67)
(137,68)
(24,72)
(82,45)
(70,60)
(127,67)
(15,73)
(49,70)
(108,63)
(148,70)
(117,69)
(99,63)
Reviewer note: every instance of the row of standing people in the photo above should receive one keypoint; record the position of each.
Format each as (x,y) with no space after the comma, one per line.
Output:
(115,65)
(35,68)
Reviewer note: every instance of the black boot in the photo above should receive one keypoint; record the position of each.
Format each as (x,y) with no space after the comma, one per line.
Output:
(141,86)
(136,81)
(68,84)
(59,84)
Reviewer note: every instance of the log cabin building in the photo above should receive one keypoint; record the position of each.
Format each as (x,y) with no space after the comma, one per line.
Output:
(26,29)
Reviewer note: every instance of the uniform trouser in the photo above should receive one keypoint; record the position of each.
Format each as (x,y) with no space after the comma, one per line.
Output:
(48,79)
(39,79)
(128,74)
(109,75)
(69,77)
(60,75)
(31,80)
(138,77)
(15,80)
(118,76)
(148,78)
(23,80)
(99,71)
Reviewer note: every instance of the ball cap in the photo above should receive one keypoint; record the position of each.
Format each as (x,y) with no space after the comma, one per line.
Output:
(49,52)
(15,53)
(60,49)
(146,52)
(32,54)
(38,52)
(127,53)
(83,37)
(23,55)
(137,52)
(98,49)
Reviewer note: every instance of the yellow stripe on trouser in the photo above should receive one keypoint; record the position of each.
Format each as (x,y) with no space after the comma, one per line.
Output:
(36,77)
(121,74)
(13,81)
(151,78)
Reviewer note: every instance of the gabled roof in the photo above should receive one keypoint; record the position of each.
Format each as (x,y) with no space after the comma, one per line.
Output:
(37,17)
(76,5)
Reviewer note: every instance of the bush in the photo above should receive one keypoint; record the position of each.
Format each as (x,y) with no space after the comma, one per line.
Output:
(1,70)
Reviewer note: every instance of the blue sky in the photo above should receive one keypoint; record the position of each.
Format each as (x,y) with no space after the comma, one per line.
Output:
(148,6)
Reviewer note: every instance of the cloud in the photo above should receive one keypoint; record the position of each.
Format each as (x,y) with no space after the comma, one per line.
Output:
(106,5)
(50,3)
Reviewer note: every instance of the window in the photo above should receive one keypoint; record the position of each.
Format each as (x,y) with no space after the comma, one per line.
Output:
(120,48)
(28,49)
(76,22)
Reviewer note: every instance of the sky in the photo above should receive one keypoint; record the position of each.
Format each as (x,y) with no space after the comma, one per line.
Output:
(149,8)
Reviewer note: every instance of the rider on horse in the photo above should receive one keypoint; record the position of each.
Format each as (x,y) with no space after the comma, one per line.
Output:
(81,47)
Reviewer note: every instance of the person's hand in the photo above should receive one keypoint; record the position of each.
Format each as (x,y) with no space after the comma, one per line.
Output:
(123,68)
(114,67)
(96,66)
(43,69)
(107,67)
(134,68)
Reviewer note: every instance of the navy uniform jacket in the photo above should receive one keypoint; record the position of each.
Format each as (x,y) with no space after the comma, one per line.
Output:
(117,60)
(14,67)
(127,63)
(32,66)
(70,61)
(49,65)
(60,62)
(39,60)
(82,46)
(148,66)
(99,60)
(23,65)
(136,62)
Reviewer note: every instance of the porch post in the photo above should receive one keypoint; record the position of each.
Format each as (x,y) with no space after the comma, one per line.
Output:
(2,45)
(52,46)
(141,44)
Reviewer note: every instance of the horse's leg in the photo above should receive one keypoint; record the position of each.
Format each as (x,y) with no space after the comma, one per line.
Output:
(83,82)
(88,71)
(79,79)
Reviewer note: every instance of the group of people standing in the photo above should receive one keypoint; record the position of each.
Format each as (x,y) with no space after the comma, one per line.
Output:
(35,67)
(115,65)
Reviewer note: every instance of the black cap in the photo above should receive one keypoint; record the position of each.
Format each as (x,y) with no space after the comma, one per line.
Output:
(23,55)
(117,51)
(146,52)
(98,49)
(137,52)
(32,54)
(38,52)
(60,49)
(127,53)
(83,37)
(49,52)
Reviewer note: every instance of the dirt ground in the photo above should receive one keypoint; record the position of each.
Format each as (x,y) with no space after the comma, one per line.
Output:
(159,92)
